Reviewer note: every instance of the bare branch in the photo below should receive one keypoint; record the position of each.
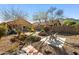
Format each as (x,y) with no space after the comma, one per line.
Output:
(12,14)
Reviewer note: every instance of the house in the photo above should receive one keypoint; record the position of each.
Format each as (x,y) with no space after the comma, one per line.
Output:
(19,24)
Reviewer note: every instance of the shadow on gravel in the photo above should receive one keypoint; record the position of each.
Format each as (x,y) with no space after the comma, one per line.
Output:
(60,51)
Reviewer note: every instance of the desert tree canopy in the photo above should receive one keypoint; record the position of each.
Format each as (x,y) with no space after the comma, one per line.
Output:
(12,13)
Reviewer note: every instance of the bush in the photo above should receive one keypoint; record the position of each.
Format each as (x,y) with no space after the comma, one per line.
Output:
(77,25)
(32,29)
(18,32)
(69,22)
(47,28)
(3,29)
(36,39)
(42,30)
(13,49)
(13,40)
(22,37)
(43,34)
(12,31)
(32,39)
(47,52)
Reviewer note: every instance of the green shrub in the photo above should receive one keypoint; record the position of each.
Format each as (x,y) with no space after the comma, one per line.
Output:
(22,37)
(77,26)
(43,34)
(69,22)
(32,29)
(13,40)
(47,28)
(18,32)
(31,39)
(3,30)
(42,30)
(29,28)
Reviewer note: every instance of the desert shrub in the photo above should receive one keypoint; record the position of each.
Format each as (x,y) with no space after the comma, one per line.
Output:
(18,32)
(69,22)
(28,39)
(2,30)
(42,30)
(31,39)
(32,29)
(75,53)
(47,28)
(77,27)
(43,34)
(47,52)
(22,37)
(12,31)
(36,39)
(13,49)
(13,40)
(37,28)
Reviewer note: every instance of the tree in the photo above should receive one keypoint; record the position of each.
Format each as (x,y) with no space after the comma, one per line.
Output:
(55,13)
(12,14)
(40,16)
(51,11)
(44,16)
(59,14)
(36,17)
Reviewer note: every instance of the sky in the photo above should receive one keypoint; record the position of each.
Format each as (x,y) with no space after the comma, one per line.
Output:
(70,10)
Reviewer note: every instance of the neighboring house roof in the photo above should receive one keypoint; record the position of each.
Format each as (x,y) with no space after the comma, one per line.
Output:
(18,22)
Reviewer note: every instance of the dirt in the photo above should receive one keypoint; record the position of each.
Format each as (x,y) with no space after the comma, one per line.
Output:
(46,49)
(71,47)
(6,45)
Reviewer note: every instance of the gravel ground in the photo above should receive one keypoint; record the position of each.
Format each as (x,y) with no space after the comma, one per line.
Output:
(6,45)
(74,40)
(67,49)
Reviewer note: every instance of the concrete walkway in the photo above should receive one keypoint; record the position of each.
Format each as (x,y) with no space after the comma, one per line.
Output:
(59,42)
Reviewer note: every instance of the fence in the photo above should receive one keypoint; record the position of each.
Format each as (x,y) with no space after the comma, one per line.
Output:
(65,29)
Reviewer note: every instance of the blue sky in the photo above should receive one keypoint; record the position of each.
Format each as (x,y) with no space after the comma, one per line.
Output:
(70,10)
